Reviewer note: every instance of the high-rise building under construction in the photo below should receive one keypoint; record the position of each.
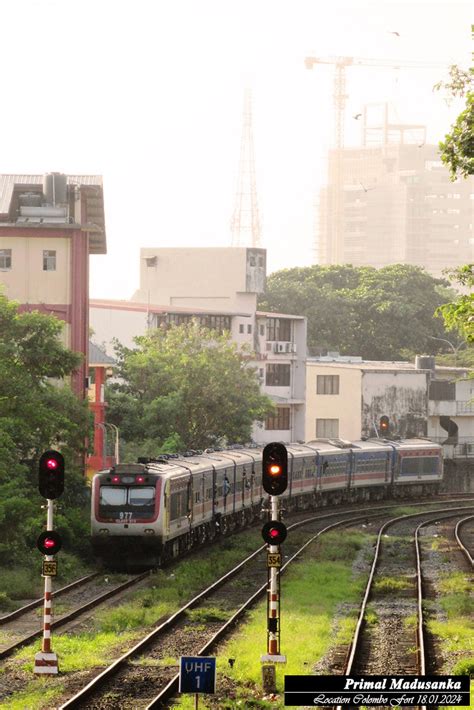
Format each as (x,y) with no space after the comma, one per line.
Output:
(394,202)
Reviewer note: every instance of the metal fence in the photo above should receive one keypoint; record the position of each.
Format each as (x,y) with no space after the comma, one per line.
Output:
(463,448)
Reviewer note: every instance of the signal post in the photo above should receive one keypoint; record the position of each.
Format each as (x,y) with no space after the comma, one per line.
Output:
(275,482)
(51,486)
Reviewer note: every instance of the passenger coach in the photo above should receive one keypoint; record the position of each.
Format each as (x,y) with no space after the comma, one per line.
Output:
(150,511)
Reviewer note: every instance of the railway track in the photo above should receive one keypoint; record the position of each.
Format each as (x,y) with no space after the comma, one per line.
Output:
(288,550)
(383,642)
(25,626)
(182,634)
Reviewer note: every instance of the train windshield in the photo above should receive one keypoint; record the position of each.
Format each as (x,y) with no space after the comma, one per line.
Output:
(141,496)
(127,496)
(113,495)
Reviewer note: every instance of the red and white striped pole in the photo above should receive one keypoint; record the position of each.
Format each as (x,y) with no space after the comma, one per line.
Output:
(273,605)
(46,661)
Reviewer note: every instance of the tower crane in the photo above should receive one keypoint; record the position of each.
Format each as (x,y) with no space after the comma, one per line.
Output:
(340,64)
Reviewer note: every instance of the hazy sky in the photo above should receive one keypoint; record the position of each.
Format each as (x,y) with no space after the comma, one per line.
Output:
(149,94)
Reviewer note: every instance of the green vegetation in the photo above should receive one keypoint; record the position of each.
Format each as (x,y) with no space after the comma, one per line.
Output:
(184,387)
(385,585)
(385,314)
(313,593)
(39,694)
(38,410)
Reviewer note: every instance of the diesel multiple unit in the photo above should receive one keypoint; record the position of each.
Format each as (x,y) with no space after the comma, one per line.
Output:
(148,512)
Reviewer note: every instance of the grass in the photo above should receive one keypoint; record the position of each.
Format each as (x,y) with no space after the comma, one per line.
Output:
(34,697)
(78,653)
(391,584)
(312,592)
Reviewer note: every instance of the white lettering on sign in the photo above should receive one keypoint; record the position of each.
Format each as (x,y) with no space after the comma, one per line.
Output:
(197,667)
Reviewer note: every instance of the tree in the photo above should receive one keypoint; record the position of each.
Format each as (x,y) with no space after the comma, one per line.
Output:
(458,315)
(457,149)
(376,313)
(37,411)
(185,388)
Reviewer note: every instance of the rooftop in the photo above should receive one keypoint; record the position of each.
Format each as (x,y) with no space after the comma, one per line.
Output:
(92,201)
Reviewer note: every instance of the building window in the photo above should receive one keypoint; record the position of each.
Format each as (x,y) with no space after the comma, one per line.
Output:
(262,330)
(241,328)
(281,420)
(278,375)
(249,329)
(279,329)
(327,384)
(327,428)
(218,323)
(49,260)
(5,259)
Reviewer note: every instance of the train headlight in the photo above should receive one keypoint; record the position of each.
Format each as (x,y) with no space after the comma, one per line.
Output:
(104,531)
(149,531)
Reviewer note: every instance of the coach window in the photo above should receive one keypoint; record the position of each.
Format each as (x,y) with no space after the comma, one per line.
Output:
(5,259)
(327,384)
(49,260)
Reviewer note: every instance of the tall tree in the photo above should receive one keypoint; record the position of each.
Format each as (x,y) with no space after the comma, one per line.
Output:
(38,410)
(185,387)
(376,313)
(457,149)
(458,315)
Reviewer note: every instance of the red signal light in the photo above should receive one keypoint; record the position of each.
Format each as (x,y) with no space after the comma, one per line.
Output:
(49,542)
(140,479)
(275,470)
(274,532)
(115,479)
(51,475)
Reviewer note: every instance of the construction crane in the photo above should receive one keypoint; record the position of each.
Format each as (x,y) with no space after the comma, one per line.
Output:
(340,96)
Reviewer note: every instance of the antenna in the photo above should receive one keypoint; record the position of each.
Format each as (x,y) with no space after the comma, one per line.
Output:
(245,222)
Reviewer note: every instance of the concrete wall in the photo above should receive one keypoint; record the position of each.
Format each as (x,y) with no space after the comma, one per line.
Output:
(220,278)
(345,406)
(109,323)
(402,396)
(26,281)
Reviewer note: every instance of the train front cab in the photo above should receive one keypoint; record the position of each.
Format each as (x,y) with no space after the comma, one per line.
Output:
(124,515)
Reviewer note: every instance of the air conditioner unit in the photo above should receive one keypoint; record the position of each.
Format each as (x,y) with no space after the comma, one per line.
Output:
(293,347)
(288,347)
(281,347)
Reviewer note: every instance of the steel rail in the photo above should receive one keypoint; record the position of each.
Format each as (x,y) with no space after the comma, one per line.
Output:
(459,541)
(74,614)
(38,602)
(170,689)
(360,621)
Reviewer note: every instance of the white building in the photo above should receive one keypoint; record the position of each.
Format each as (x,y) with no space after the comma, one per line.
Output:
(219,287)
(346,398)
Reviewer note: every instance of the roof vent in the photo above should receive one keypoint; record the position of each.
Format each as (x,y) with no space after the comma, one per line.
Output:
(425,362)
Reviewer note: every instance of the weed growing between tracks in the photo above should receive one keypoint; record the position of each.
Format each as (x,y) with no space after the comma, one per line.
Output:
(116,629)
(313,593)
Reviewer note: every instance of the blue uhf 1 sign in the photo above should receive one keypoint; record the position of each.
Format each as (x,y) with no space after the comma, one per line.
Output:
(197,674)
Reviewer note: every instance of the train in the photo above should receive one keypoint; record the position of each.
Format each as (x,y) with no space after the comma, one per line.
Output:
(146,513)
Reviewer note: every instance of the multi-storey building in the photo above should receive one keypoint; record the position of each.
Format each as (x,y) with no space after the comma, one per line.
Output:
(347,397)
(218,287)
(49,225)
(395,203)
